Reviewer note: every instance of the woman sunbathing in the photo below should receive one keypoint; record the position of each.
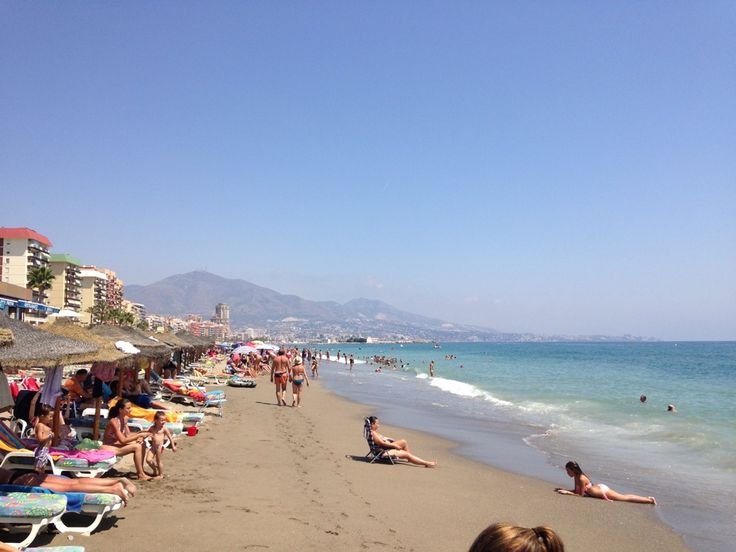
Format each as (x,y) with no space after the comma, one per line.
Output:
(119,439)
(121,487)
(395,448)
(585,487)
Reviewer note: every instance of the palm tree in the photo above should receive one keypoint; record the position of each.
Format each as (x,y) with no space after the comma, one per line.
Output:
(100,313)
(40,278)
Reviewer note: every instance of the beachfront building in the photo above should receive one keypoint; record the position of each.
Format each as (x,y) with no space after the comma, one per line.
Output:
(94,292)
(66,289)
(208,329)
(115,287)
(138,310)
(22,250)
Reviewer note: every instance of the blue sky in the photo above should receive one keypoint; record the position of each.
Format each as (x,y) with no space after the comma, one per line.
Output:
(559,168)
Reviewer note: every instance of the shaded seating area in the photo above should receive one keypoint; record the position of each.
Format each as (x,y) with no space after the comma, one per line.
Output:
(50,354)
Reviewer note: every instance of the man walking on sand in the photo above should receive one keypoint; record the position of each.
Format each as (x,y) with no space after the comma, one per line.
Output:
(280,375)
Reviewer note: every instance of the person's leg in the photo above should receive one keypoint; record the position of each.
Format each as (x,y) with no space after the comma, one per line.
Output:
(92,485)
(138,460)
(402,444)
(294,393)
(278,393)
(613,495)
(404,455)
(159,463)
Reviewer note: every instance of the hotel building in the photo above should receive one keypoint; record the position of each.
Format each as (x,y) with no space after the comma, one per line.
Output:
(66,289)
(22,249)
(94,291)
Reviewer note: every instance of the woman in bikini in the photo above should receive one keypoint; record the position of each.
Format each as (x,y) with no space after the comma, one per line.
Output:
(298,377)
(585,487)
(119,439)
(396,448)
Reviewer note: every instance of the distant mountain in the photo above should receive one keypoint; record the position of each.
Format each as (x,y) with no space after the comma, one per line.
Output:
(289,316)
(251,305)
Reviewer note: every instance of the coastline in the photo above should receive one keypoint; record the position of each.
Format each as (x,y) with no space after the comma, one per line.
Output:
(276,478)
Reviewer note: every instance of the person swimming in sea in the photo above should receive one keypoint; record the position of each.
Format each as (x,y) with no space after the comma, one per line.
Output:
(585,487)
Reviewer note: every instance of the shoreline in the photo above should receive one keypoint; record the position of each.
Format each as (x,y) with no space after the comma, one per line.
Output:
(272,477)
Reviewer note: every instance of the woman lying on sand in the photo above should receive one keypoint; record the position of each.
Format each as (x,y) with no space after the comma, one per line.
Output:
(585,487)
(396,449)
(504,537)
(119,486)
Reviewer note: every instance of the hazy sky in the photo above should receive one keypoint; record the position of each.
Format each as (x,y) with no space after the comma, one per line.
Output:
(551,167)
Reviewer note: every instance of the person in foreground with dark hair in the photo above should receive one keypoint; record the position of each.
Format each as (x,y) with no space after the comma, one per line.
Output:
(585,487)
(504,537)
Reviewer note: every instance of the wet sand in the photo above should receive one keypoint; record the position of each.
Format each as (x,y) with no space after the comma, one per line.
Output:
(277,478)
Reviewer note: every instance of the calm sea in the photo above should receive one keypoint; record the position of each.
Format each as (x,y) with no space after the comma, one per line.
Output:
(531,407)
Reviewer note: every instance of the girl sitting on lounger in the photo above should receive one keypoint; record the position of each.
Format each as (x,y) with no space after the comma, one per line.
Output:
(119,439)
(395,448)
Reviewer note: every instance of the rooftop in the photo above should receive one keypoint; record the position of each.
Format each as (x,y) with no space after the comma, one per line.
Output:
(23,233)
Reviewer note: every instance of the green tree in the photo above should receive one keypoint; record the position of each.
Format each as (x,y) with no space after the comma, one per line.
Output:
(100,313)
(40,279)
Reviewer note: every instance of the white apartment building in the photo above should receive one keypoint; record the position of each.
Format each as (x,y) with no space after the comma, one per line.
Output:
(66,289)
(94,291)
(20,250)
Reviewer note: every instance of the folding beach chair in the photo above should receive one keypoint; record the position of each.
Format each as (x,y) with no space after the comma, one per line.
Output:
(374,451)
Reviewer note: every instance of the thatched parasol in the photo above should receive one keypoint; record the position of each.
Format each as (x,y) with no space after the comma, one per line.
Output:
(34,348)
(148,347)
(196,341)
(107,352)
(6,337)
(170,339)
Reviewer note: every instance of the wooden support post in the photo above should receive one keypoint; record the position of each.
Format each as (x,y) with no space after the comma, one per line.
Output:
(96,425)
(57,421)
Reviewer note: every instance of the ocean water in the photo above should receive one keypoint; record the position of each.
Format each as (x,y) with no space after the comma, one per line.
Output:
(531,407)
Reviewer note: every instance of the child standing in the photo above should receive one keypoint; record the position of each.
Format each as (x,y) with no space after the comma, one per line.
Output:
(44,435)
(158,434)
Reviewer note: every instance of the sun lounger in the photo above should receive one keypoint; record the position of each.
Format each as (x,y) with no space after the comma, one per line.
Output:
(96,505)
(78,467)
(35,509)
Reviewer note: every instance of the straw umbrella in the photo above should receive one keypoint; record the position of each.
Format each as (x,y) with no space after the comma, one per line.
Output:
(106,353)
(151,351)
(33,348)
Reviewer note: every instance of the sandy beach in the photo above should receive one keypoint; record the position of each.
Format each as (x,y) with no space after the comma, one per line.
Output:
(279,478)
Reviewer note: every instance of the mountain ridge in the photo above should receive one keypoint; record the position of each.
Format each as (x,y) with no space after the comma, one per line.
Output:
(198,292)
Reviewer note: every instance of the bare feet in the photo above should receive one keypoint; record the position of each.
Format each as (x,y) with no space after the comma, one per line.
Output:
(431,464)
(143,477)
(654,501)
(129,485)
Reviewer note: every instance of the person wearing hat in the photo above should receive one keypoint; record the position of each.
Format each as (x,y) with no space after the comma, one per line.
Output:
(298,378)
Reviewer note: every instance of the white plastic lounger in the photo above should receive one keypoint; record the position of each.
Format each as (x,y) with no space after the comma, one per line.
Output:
(34,509)
(71,466)
(95,504)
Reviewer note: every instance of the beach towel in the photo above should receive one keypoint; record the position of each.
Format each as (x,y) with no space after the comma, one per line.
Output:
(74,501)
